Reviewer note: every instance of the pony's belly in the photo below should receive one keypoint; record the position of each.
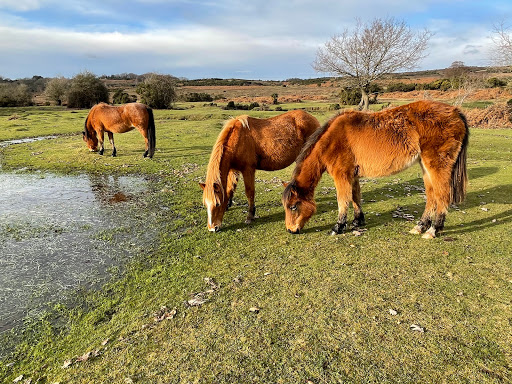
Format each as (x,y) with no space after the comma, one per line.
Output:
(386,166)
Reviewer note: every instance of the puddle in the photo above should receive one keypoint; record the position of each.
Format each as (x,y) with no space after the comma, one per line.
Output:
(6,143)
(60,233)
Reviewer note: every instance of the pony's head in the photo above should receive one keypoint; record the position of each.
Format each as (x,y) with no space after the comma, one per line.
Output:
(90,139)
(215,200)
(298,205)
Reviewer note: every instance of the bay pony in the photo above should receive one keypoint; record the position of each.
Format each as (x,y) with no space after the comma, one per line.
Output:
(361,144)
(246,144)
(119,119)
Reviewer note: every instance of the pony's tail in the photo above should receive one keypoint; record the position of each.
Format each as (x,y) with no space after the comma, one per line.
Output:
(151,132)
(459,171)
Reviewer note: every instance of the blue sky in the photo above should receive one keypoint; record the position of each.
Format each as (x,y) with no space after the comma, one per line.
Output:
(222,38)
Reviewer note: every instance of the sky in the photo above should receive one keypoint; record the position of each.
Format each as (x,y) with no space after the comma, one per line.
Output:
(248,39)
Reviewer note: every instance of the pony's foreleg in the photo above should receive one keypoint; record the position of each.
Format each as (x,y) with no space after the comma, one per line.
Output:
(356,203)
(232,183)
(111,140)
(249,192)
(344,196)
(100,140)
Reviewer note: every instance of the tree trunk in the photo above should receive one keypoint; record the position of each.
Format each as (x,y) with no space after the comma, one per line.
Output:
(365,100)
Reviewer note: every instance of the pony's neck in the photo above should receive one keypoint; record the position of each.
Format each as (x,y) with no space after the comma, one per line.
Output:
(310,172)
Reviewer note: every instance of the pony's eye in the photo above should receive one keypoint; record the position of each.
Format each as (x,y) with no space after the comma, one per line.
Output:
(217,205)
(293,207)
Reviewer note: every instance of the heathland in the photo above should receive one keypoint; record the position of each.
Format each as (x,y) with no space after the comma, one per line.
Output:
(253,303)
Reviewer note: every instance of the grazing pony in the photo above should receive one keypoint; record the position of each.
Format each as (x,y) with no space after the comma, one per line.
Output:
(358,144)
(246,144)
(107,118)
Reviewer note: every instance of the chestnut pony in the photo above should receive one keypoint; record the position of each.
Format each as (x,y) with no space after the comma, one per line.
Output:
(107,118)
(246,144)
(358,144)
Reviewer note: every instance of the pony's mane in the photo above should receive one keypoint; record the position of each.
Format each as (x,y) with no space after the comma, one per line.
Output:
(213,175)
(86,131)
(310,143)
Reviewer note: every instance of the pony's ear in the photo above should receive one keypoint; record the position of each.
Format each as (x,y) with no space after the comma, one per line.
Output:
(216,187)
(202,185)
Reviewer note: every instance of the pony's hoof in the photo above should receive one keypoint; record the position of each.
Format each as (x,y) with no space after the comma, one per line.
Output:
(416,230)
(248,221)
(430,234)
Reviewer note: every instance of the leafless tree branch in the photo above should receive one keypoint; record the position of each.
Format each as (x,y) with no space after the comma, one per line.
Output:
(371,50)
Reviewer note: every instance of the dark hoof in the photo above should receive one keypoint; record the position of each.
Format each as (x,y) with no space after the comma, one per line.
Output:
(100,152)
(145,154)
(338,228)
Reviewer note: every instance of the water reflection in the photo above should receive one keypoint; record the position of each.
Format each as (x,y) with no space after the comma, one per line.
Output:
(61,232)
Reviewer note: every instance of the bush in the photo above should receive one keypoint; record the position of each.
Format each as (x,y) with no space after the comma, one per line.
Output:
(401,87)
(86,90)
(232,105)
(157,91)
(334,107)
(194,97)
(350,96)
(494,82)
(441,85)
(15,95)
(121,97)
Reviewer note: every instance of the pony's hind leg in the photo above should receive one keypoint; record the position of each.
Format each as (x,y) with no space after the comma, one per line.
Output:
(356,203)
(249,192)
(437,186)
(144,134)
(426,218)
(111,140)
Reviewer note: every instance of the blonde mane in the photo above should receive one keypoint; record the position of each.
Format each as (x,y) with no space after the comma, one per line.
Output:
(213,175)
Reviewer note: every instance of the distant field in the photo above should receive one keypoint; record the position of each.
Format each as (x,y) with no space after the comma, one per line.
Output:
(378,306)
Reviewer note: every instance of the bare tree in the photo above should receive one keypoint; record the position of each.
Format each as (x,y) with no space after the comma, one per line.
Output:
(371,50)
(56,89)
(501,53)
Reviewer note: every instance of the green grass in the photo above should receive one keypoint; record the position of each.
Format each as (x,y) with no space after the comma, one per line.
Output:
(324,301)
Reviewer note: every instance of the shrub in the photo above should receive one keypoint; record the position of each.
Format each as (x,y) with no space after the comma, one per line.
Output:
(401,87)
(121,97)
(193,97)
(232,105)
(494,82)
(157,91)
(334,107)
(86,90)
(350,96)
(441,85)
(15,95)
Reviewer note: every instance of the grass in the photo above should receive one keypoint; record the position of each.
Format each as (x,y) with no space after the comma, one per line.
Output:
(282,308)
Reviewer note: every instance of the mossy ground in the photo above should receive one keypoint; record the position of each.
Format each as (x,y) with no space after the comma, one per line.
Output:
(281,308)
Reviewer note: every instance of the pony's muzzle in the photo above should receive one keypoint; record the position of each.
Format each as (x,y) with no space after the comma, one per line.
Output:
(214,229)
(296,232)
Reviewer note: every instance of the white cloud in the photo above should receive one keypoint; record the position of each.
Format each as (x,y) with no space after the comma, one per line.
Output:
(21,5)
